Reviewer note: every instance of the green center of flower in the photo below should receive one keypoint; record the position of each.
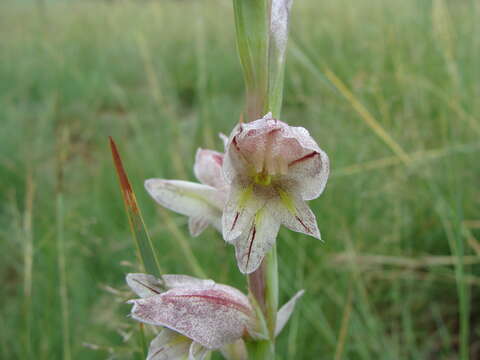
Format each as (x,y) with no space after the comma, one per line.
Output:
(262,179)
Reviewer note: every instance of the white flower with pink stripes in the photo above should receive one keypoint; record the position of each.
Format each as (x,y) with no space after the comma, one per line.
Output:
(271,169)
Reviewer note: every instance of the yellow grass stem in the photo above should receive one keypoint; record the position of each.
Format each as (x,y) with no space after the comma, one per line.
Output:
(368,118)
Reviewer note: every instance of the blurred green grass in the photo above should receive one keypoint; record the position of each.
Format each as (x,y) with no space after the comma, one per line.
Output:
(397,276)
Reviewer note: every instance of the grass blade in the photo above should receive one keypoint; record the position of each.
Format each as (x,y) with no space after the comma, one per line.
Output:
(146,251)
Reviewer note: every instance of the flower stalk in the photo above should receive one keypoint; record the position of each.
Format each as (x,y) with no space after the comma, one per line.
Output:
(262,31)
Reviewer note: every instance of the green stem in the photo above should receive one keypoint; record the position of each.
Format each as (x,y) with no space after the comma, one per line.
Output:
(263,286)
(261,350)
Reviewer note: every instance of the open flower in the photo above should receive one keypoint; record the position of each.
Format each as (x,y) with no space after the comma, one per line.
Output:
(272,169)
(197,315)
(202,203)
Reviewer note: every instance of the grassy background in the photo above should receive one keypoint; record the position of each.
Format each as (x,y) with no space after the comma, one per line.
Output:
(391,91)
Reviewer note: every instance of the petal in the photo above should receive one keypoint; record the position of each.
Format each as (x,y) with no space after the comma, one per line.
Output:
(235,351)
(279,28)
(187,198)
(239,210)
(212,317)
(309,167)
(295,214)
(224,139)
(197,352)
(178,281)
(208,168)
(249,146)
(309,174)
(145,285)
(256,241)
(234,162)
(196,225)
(286,311)
(169,345)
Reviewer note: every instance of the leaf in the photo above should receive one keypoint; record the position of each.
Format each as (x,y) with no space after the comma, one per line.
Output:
(146,251)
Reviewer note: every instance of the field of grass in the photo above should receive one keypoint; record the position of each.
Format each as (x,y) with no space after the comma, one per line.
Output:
(389,89)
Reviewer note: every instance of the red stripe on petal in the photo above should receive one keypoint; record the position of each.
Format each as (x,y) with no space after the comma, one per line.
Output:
(148,287)
(305,226)
(254,233)
(235,220)
(303,158)
(216,298)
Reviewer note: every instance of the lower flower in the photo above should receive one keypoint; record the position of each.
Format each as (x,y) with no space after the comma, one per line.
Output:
(198,316)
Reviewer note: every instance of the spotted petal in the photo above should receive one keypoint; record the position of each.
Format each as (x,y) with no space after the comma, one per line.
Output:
(286,311)
(201,202)
(177,281)
(212,316)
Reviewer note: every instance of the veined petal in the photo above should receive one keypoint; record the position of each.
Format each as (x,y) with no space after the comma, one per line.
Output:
(252,245)
(197,352)
(240,208)
(208,168)
(187,198)
(286,311)
(309,166)
(169,345)
(309,174)
(295,214)
(209,316)
(145,285)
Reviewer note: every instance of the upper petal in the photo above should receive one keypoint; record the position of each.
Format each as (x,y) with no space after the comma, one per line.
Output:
(249,145)
(310,167)
(169,345)
(286,311)
(145,285)
(208,168)
(253,244)
(273,147)
(212,316)
(187,198)
(234,161)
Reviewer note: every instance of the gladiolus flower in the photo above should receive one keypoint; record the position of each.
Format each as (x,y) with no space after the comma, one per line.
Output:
(202,203)
(272,169)
(197,315)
